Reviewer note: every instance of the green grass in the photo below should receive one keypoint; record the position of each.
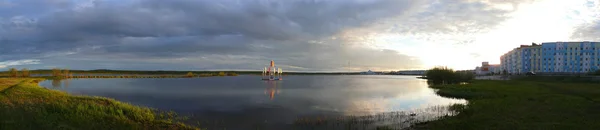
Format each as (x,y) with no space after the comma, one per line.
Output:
(522,104)
(25,105)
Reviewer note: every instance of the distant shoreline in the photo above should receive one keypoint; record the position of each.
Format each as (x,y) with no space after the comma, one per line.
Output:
(164,72)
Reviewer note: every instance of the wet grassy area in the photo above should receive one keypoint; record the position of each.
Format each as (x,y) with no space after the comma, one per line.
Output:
(25,105)
(531,103)
(387,121)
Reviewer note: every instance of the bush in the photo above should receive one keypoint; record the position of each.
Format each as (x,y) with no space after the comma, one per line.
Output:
(444,75)
(464,76)
(190,74)
(13,72)
(597,72)
(221,74)
(25,72)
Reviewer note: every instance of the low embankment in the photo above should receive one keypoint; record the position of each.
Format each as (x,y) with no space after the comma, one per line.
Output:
(25,105)
(522,104)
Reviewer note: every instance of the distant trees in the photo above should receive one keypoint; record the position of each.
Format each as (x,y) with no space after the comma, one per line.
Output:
(13,72)
(440,74)
(190,74)
(66,73)
(56,72)
(25,72)
(232,74)
(221,74)
(444,75)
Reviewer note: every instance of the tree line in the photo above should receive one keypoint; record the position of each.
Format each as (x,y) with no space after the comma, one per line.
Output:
(14,72)
(66,73)
(56,72)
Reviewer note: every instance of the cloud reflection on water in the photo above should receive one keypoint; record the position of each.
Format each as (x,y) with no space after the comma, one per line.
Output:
(247,100)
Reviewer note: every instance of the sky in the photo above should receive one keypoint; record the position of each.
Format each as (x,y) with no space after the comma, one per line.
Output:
(299,35)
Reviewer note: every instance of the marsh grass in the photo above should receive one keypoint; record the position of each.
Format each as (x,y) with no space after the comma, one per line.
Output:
(522,104)
(387,120)
(570,79)
(25,105)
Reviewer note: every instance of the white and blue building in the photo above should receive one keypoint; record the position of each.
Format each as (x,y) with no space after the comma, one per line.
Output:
(553,57)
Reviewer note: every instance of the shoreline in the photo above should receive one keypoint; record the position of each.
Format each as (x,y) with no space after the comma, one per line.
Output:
(52,109)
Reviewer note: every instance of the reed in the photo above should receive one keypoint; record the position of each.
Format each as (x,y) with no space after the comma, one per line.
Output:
(386,120)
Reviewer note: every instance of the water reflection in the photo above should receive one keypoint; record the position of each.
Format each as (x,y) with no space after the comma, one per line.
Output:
(272,88)
(56,84)
(242,102)
(60,84)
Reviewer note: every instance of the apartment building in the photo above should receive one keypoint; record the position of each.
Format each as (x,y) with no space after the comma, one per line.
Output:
(553,57)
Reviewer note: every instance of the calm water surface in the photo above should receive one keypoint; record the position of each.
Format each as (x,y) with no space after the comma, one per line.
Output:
(244,102)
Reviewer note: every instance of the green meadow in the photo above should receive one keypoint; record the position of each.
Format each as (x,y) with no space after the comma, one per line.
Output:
(542,103)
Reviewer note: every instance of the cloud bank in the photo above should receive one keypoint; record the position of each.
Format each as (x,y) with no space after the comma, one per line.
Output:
(300,35)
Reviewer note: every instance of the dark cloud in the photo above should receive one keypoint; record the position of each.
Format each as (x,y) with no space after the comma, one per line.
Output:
(298,34)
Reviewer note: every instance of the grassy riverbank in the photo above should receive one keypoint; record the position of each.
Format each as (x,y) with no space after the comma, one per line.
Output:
(523,104)
(25,105)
